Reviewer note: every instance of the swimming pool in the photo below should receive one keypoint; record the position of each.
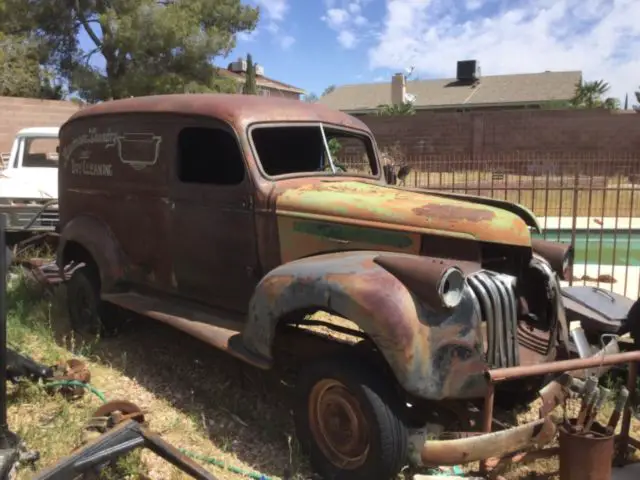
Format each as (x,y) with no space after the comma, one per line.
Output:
(599,246)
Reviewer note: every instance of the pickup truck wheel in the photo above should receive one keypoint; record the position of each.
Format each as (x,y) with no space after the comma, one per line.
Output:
(347,420)
(87,313)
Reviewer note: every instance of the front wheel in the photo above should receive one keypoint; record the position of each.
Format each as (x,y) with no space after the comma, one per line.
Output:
(88,314)
(348,421)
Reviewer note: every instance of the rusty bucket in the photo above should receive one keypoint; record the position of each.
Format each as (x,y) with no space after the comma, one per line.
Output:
(586,456)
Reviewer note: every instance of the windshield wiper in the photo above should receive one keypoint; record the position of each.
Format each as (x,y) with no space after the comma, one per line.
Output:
(326,149)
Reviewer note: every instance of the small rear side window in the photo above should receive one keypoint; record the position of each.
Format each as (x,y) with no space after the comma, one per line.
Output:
(209,156)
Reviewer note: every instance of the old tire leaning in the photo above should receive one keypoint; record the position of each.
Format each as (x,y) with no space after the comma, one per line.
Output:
(88,314)
(348,422)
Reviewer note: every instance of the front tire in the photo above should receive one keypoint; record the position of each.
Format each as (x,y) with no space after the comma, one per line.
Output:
(88,314)
(348,421)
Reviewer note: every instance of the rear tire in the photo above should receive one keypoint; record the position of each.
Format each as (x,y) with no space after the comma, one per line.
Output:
(348,421)
(88,314)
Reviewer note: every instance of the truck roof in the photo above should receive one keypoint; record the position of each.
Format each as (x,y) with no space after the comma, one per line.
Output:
(240,110)
(39,132)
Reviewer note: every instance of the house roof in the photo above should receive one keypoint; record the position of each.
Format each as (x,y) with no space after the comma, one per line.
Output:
(447,93)
(262,81)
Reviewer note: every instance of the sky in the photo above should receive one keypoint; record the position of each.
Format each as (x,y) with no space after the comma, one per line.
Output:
(312,44)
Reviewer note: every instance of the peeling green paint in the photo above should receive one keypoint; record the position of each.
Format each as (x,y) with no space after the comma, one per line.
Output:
(353,233)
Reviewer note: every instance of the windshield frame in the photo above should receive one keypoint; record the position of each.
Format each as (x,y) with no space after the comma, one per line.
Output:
(370,146)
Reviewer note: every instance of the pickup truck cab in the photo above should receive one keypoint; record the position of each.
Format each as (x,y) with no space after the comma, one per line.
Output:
(29,181)
(235,218)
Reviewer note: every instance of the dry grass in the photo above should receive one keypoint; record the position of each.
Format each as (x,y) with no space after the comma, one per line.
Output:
(197,398)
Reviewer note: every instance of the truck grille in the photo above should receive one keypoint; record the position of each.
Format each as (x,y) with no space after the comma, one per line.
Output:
(46,220)
(21,212)
(495,299)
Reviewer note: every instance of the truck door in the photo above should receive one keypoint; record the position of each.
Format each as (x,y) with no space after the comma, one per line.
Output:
(214,247)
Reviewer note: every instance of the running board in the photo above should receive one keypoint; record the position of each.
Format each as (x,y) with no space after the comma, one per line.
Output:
(216,331)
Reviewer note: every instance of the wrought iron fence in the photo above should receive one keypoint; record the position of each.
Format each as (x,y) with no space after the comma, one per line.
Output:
(590,200)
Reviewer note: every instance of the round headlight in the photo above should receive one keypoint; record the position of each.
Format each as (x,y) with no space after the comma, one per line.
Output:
(450,287)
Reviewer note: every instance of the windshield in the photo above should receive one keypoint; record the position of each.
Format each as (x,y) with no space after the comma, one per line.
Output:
(318,149)
(40,152)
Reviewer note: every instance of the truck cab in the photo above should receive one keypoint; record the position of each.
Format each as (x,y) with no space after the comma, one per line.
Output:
(29,181)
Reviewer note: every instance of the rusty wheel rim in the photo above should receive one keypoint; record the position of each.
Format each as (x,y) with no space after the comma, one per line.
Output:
(338,424)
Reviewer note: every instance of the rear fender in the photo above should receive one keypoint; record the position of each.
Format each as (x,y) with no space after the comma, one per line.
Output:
(433,354)
(95,237)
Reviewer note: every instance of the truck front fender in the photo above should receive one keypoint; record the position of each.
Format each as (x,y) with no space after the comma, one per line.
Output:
(97,239)
(433,354)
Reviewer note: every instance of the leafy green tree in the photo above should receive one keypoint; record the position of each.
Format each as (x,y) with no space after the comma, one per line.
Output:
(20,72)
(310,98)
(592,95)
(146,46)
(250,87)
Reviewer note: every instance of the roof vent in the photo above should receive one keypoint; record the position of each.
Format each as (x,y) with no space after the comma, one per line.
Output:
(238,66)
(468,71)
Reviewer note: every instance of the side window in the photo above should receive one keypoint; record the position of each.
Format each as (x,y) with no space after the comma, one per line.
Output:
(210,156)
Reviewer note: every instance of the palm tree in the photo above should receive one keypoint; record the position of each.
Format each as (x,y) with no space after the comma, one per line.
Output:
(589,95)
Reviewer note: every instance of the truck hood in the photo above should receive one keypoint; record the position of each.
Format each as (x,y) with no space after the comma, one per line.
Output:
(384,207)
(29,183)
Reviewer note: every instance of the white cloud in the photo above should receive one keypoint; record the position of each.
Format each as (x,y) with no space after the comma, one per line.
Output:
(347,39)
(599,37)
(354,7)
(473,4)
(276,9)
(345,17)
(273,12)
(336,17)
(286,41)
(248,37)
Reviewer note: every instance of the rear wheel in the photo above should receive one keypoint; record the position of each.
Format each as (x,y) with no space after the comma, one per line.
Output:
(88,314)
(348,421)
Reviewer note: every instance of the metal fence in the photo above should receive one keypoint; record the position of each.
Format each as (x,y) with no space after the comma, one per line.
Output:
(590,200)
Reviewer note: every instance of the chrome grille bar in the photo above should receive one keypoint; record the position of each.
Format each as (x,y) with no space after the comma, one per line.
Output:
(495,302)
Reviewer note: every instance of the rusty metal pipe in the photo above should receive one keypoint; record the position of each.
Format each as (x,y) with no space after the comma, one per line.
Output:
(487,420)
(503,374)
(481,447)
(619,407)
(555,392)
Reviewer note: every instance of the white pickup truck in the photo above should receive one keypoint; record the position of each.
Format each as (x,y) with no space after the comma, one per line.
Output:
(29,181)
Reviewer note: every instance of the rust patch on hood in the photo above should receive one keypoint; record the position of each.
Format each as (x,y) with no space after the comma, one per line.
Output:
(455,213)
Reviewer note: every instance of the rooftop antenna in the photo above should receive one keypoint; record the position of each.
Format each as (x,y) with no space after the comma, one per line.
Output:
(409,71)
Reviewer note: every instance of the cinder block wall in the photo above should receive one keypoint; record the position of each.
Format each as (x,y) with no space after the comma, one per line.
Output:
(509,132)
(19,113)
